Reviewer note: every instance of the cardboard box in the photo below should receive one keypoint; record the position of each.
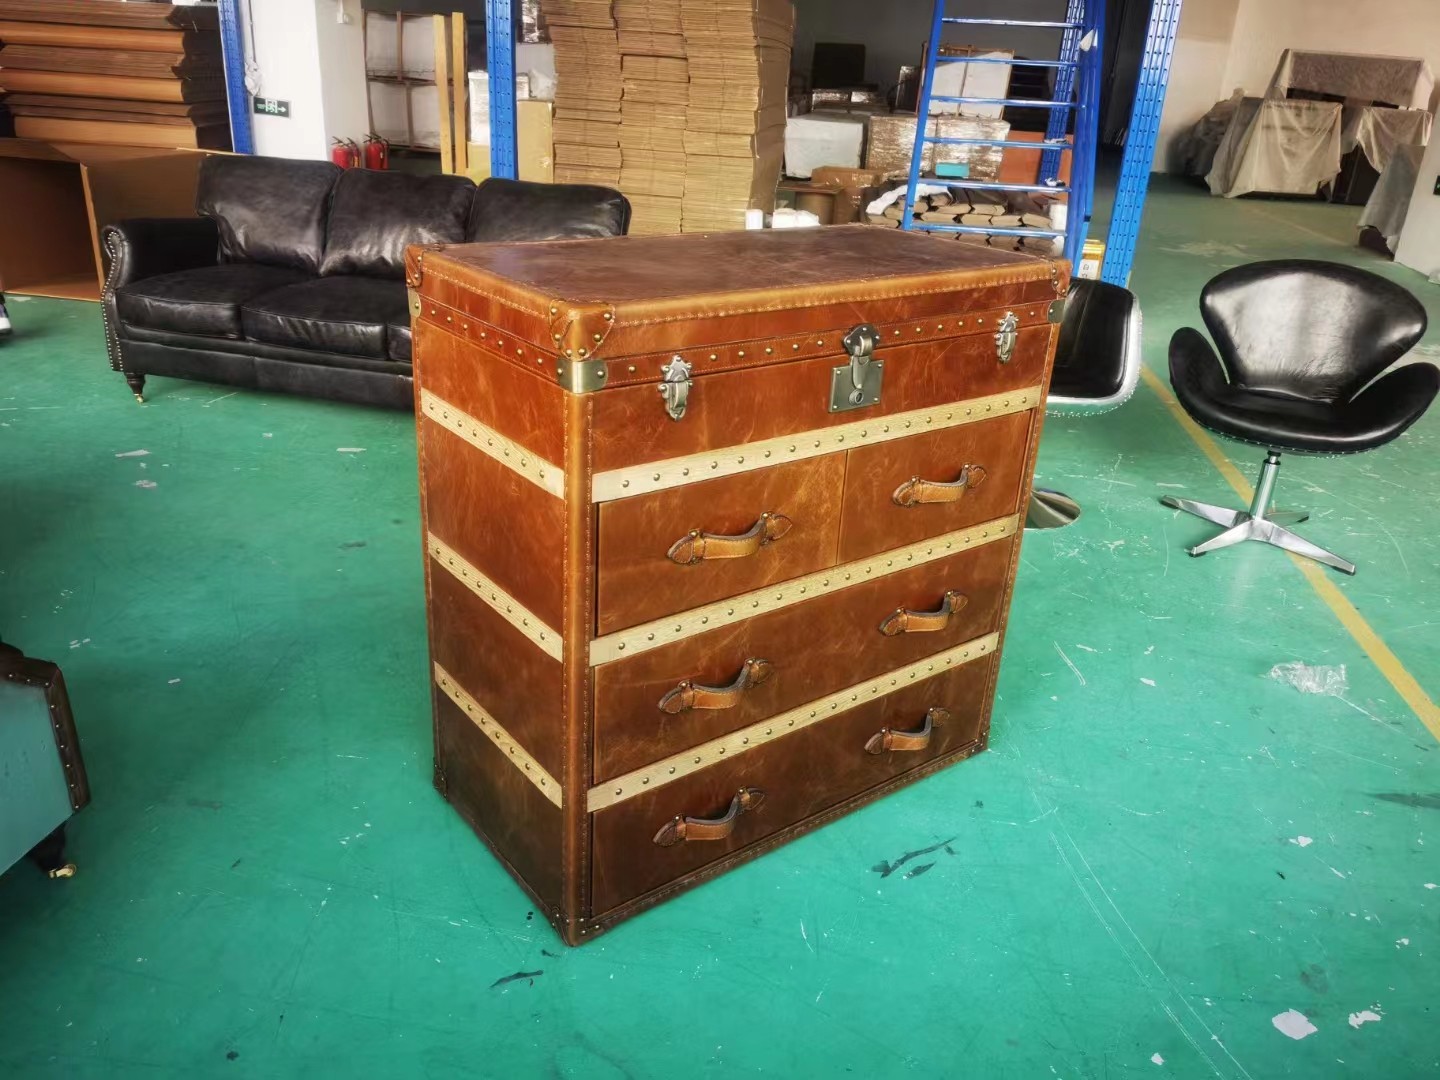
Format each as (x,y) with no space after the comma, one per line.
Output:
(818,139)
(535,145)
(854,188)
(68,193)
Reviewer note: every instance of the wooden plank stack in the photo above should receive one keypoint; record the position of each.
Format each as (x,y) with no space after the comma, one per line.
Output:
(103,71)
(983,209)
(587,93)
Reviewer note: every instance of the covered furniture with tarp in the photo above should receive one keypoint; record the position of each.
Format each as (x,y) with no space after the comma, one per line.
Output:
(1320,110)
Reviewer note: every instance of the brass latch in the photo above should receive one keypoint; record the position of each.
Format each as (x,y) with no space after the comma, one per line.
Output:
(676,387)
(1006,337)
(857,384)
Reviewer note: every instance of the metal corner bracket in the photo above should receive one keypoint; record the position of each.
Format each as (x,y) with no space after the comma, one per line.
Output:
(1057,310)
(581,376)
(413,295)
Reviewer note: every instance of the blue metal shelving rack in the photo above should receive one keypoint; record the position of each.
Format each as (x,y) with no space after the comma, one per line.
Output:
(1077,93)
(237,97)
(500,63)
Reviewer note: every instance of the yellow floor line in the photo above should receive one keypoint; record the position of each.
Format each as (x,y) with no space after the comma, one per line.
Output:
(1365,636)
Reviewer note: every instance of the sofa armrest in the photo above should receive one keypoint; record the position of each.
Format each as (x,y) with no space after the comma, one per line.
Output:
(144,247)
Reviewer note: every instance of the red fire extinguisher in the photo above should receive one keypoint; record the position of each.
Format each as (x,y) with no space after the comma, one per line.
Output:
(377,152)
(345,153)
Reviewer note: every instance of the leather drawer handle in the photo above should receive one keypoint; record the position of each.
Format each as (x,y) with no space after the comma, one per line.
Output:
(917,492)
(690,828)
(687,695)
(904,621)
(696,546)
(889,739)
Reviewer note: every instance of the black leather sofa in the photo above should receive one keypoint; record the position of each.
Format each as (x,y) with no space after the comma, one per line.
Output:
(293,276)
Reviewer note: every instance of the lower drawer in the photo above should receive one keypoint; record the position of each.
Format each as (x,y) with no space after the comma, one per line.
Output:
(660,836)
(807,650)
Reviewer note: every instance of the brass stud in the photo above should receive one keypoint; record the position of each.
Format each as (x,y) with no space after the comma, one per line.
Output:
(597,337)
(631,369)
(554,310)
(795,347)
(714,357)
(768,351)
(555,337)
(582,352)
(741,353)
(607,316)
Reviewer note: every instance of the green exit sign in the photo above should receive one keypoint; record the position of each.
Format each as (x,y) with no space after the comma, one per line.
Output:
(265,106)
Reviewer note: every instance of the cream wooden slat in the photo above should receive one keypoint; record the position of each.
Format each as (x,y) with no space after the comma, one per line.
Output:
(510,609)
(675,472)
(490,442)
(532,769)
(661,632)
(739,742)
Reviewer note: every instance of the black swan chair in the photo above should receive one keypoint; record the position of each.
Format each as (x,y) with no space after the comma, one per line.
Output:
(1097,365)
(1302,348)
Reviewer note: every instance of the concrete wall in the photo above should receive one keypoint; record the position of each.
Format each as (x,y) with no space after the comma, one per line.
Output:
(894,31)
(1197,75)
(1265,28)
(305,56)
(1419,246)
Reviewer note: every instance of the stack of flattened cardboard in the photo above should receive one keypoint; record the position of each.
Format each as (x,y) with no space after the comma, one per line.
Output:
(734,139)
(587,94)
(96,71)
(655,77)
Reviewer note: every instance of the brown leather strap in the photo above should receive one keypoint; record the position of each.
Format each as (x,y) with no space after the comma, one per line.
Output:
(917,492)
(689,828)
(688,695)
(696,546)
(904,621)
(887,739)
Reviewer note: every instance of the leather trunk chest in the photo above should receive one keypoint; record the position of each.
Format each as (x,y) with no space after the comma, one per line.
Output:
(720,534)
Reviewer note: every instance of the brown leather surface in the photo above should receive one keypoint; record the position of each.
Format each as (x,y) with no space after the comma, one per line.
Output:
(524,406)
(638,581)
(610,298)
(513,680)
(495,797)
(738,407)
(501,523)
(801,774)
(872,522)
(815,648)
(771,308)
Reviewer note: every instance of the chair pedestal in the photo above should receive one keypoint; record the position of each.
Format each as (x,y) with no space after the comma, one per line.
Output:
(1259,522)
(1050,510)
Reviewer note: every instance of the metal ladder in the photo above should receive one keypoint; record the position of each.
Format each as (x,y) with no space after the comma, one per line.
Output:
(1077,90)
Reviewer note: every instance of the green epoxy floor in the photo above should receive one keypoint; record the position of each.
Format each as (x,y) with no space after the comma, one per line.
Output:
(1163,851)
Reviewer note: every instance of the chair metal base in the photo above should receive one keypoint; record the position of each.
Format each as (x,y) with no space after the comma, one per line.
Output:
(1050,510)
(1258,523)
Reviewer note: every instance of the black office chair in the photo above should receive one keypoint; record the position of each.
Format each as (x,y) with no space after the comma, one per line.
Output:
(1301,345)
(1097,364)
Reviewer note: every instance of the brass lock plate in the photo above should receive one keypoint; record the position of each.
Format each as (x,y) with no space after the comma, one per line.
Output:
(857,384)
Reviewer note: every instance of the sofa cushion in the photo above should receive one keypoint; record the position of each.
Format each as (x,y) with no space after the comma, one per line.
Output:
(398,340)
(269,210)
(508,210)
(205,301)
(348,315)
(374,216)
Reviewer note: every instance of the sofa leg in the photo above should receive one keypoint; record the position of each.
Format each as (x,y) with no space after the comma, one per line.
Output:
(137,385)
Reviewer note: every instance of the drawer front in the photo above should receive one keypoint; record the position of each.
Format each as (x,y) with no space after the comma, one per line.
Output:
(799,775)
(808,649)
(653,563)
(874,519)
